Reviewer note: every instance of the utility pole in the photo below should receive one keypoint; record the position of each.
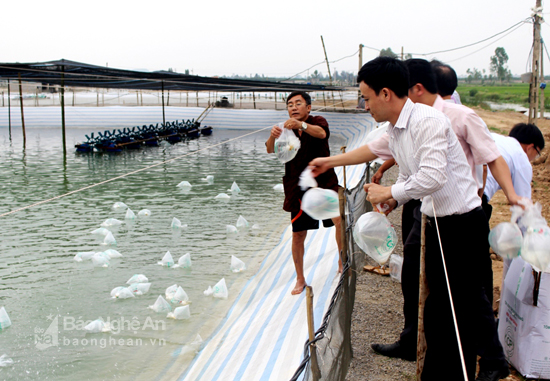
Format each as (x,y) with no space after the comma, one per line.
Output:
(360,66)
(535,75)
(326,59)
(402,55)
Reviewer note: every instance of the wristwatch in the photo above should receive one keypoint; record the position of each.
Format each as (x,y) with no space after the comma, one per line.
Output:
(304,126)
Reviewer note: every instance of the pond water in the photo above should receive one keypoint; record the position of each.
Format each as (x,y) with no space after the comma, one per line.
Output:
(49,296)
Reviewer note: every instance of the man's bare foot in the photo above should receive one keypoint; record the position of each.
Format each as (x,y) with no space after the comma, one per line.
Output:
(300,285)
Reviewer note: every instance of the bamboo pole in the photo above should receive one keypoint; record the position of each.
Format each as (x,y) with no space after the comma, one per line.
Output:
(22,114)
(163,116)
(9,108)
(423,293)
(254,96)
(62,102)
(314,365)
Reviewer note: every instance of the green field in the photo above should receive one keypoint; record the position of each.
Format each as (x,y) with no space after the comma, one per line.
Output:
(475,94)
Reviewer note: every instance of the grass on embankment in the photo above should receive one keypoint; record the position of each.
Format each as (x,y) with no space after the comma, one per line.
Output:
(475,94)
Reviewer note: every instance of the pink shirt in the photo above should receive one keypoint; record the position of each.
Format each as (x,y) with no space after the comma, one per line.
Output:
(471,131)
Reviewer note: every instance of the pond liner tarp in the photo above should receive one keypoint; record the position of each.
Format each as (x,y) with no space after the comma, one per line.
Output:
(262,336)
(77,74)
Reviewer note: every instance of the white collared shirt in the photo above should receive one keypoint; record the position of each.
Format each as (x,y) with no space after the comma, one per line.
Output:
(432,164)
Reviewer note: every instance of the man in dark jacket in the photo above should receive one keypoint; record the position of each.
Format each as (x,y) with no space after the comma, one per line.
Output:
(313,133)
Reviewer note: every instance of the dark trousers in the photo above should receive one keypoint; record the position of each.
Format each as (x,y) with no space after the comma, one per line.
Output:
(463,252)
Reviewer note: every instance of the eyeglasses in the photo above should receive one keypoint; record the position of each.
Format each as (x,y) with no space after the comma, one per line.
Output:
(538,151)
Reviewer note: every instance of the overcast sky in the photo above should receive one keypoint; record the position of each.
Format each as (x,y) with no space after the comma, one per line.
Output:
(276,38)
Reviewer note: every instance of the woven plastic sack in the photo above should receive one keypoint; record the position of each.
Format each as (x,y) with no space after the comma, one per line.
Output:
(506,239)
(167,260)
(396,264)
(5,321)
(321,204)
(137,278)
(161,305)
(286,145)
(237,265)
(180,313)
(374,234)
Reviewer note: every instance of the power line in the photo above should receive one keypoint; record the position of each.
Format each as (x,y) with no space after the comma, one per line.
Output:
(472,44)
(491,43)
(322,62)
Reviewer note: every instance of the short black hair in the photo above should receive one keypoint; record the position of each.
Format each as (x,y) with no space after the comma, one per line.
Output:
(447,81)
(304,95)
(528,134)
(420,71)
(386,72)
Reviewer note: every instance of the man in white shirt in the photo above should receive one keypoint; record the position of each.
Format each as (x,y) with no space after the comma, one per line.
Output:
(523,145)
(432,167)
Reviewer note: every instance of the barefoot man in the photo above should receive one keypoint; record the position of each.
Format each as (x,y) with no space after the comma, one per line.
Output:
(313,133)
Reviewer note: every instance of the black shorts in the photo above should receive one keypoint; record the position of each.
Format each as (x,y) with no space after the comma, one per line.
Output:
(305,222)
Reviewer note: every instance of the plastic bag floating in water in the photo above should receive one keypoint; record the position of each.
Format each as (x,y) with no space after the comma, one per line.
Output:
(237,265)
(180,297)
(176,224)
(167,260)
(223,197)
(5,361)
(180,313)
(279,188)
(144,213)
(137,278)
(97,326)
(374,234)
(242,223)
(100,260)
(286,145)
(139,288)
(185,261)
(209,179)
(209,291)
(111,222)
(101,231)
(130,215)
(185,185)
(321,204)
(234,188)
(220,290)
(112,253)
(121,293)
(171,291)
(84,256)
(5,321)
(230,229)
(161,305)
(109,239)
(119,205)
